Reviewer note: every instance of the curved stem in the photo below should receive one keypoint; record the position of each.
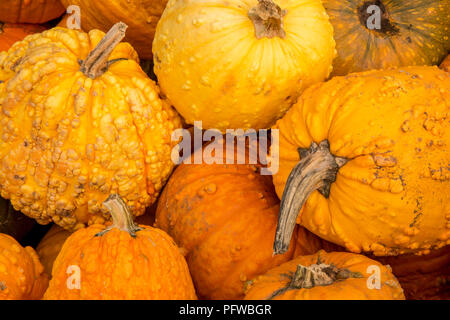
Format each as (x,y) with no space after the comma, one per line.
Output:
(316,171)
(122,217)
(267,17)
(318,274)
(97,62)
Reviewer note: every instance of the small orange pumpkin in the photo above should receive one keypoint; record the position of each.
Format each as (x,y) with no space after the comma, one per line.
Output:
(325,276)
(22,276)
(123,261)
(224,217)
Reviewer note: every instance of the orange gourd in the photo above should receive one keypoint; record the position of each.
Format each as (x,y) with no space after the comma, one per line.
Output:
(30,11)
(223,216)
(326,276)
(22,276)
(10,33)
(141,16)
(123,261)
(373,172)
(80,120)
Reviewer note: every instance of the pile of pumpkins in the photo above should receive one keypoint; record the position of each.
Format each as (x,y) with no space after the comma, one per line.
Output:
(357,207)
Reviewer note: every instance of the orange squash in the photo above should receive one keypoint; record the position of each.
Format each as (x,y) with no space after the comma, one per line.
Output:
(223,216)
(10,33)
(50,246)
(141,16)
(363,162)
(80,120)
(22,276)
(123,261)
(326,276)
(30,11)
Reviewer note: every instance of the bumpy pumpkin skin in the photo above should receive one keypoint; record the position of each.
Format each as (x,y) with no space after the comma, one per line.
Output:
(22,276)
(264,286)
(141,16)
(10,33)
(445,65)
(220,73)
(68,141)
(30,11)
(413,32)
(50,246)
(116,266)
(224,218)
(392,196)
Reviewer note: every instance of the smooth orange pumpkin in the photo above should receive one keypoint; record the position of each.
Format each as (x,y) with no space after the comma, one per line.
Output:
(10,33)
(123,261)
(326,276)
(223,216)
(30,11)
(22,276)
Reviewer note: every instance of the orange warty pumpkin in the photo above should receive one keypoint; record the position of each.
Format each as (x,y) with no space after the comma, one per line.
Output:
(10,33)
(30,11)
(223,216)
(22,276)
(373,173)
(50,246)
(325,276)
(123,261)
(377,34)
(141,16)
(80,120)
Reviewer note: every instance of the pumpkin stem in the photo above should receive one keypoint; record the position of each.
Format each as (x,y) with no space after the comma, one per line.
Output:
(97,62)
(2,25)
(267,18)
(319,274)
(122,217)
(316,171)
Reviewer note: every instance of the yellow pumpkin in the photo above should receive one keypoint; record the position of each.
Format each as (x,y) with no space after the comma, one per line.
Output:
(80,120)
(240,64)
(373,173)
